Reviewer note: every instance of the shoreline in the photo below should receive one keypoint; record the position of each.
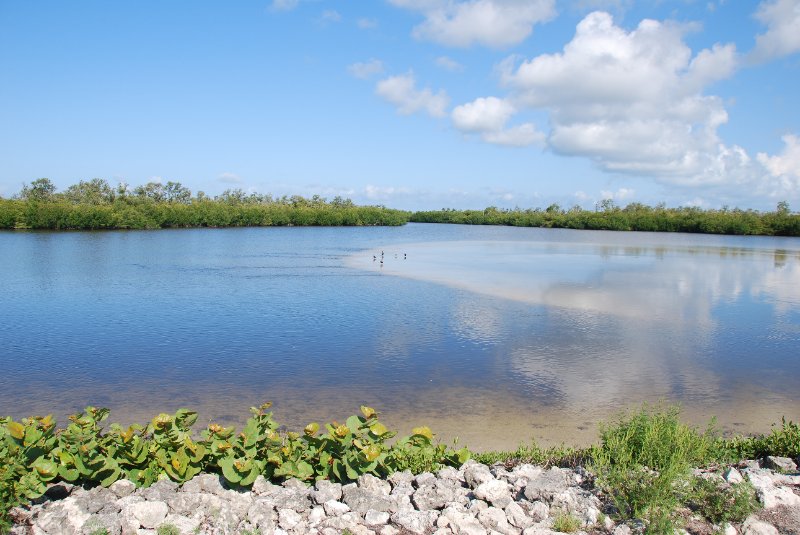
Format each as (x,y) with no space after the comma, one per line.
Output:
(474,499)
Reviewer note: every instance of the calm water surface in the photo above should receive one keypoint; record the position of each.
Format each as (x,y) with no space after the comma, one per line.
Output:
(493,334)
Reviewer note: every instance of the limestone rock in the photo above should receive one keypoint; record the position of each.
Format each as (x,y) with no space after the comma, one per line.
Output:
(334,508)
(376,518)
(770,495)
(754,526)
(122,488)
(149,514)
(370,482)
(325,490)
(362,500)
(781,464)
(419,522)
(477,474)
(546,485)
(732,476)
(495,492)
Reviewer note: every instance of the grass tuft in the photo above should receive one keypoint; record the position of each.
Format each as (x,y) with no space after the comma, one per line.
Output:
(566,523)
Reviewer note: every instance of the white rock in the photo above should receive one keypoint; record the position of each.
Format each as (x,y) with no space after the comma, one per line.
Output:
(493,518)
(538,511)
(419,522)
(376,518)
(770,495)
(317,515)
(732,476)
(122,487)
(477,474)
(495,492)
(389,530)
(463,523)
(754,526)
(784,464)
(370,482)
(334,508)
(539,530)
(288,518)
(262,487)
(64,520)
(622,529)
(729,530)
(149,514)
(516,516)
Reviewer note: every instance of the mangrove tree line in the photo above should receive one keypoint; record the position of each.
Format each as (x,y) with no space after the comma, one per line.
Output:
(635,216)
(94,204)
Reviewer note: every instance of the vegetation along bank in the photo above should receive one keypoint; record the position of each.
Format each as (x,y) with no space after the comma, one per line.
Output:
(648,473)
(94,204)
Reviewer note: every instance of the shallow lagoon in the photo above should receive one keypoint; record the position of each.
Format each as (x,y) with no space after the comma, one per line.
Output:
(493,334)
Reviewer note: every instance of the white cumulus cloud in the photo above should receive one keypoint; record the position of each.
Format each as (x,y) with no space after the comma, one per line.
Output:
(284,5)
(449,64)
(401,91)
(490,113)
(367,24)
(366,69)
(522,135)
(492,23)
(331,15)
(785,167)
(633,102)
(488,116)
(229,178)
(620,195)
(782,19)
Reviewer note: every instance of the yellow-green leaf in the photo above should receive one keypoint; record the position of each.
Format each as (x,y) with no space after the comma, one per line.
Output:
(16,429)
(378,429)
(424,431)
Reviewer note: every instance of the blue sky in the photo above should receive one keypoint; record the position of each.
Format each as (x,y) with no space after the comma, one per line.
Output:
(410,103)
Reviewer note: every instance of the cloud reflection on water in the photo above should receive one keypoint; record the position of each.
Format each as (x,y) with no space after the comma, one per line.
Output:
(622,325)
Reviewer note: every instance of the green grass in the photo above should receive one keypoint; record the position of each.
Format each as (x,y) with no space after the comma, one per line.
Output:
(720,502)
(566,523)
(534,454)
(168,529)
(644,459)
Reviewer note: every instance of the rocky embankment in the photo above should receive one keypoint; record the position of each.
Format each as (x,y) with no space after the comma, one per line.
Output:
(475,499)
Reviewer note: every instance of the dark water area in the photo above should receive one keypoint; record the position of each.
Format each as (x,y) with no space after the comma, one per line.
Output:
(493,334)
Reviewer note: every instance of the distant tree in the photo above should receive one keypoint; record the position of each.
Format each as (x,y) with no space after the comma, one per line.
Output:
(607,205)
(341,203)
(176,192)
(783,208)
(41,189)
(122,190)
(554,208)
(232,196)
(95,191)
(152,190)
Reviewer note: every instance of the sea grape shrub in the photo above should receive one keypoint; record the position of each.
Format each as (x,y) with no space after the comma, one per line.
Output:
(33,453)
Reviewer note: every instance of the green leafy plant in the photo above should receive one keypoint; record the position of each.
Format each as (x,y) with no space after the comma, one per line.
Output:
(783,440)
(83,452)
(252,452)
